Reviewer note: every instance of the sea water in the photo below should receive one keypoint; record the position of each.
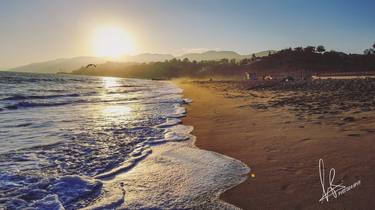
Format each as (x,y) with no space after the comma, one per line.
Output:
(71,142)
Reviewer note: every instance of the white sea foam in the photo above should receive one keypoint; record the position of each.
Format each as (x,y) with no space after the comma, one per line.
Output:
(170,122)
(114,136)
(49,193)
(177,175)
(187,100)
(178,133)
(179,112)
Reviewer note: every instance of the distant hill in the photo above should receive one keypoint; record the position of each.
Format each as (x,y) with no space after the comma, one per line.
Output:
(59,65)
(218,55)
(4,68)
(309,59)
(148,57)
(196,66)
(69,64)
(298,62)
(260,54)
(211,55)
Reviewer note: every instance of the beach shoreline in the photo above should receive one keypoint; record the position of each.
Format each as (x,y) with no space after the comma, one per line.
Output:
(282,148)
(172,173)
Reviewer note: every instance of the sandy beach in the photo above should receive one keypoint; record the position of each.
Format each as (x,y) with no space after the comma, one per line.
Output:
(200,104)
(281,132)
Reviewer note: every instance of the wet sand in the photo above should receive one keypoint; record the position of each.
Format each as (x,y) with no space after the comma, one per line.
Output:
(283,144)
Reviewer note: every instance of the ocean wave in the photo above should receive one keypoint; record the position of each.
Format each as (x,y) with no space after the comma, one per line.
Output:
(179,175)
(66,192)
(23,97)
(72,192)
(25,104)
(126,91)
(62,157)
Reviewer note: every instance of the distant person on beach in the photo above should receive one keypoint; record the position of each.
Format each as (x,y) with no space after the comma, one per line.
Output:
(253,76)
(247,76)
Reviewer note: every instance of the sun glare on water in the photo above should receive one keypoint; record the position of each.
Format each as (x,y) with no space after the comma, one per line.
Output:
(112,42)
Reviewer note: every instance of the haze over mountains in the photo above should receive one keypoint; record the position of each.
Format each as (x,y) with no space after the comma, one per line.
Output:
(58,65)
(218,55)
(69,64)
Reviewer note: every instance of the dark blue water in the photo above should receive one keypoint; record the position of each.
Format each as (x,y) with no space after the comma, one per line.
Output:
(59,132)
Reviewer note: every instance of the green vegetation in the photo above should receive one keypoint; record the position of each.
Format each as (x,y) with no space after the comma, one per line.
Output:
(168,69)
(315,60)
(63,65)
(310,58)
(370,51)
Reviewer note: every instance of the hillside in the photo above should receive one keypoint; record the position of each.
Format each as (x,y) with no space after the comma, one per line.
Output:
(282,63)
(211,55)
(59,65)
(67,65)
(147,57)
(317,62)
(260,54)
(218,55)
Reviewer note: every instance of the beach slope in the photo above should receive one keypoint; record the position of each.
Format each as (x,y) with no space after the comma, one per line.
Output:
(283,149)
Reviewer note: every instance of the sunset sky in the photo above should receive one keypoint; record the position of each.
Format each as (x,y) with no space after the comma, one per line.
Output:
(39,30)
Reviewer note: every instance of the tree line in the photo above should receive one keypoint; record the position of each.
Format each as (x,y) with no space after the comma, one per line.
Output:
(315,59)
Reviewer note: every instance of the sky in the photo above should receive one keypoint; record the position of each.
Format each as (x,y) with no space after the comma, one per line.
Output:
(40,30)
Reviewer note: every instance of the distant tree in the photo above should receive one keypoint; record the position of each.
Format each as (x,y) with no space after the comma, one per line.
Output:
(309,49)
(186,60)
(369,52)
(233,61)
(289,49)
(90,66)
(224,61)
(174,60)
(298,49)
(253,57)
(244,61)
(320,49)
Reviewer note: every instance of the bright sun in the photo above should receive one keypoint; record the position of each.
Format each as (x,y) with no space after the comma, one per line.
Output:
(112,42)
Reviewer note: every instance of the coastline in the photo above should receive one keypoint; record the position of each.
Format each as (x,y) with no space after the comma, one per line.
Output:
(172,173)
(162,168)
(281,149)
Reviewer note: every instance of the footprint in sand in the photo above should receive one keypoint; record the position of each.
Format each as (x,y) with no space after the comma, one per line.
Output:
(284,187)
(305,140)
(271,149)
(271,159)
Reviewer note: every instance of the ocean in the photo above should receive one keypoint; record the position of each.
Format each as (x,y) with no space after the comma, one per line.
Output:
(73,142)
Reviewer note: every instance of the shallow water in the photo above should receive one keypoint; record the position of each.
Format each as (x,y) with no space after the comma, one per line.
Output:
(66,140)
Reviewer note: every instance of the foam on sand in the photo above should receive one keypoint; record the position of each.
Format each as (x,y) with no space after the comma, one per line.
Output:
(118,150)
(177,175)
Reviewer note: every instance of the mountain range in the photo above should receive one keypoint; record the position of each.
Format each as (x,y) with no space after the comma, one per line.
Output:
(59,65)
(67,65)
